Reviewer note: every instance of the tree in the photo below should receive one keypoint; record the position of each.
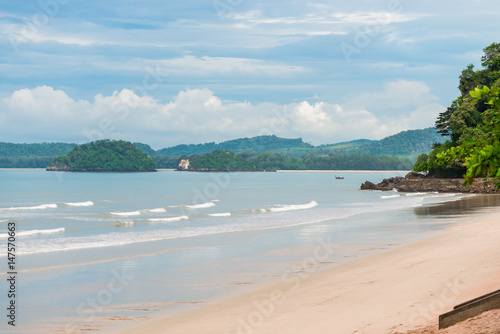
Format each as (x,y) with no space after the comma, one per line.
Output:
(481,157)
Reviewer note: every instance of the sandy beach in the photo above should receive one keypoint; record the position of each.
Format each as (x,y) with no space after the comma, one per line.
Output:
(400,290)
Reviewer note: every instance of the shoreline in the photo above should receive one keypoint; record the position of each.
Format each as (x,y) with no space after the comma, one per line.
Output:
(401,289)
(342,171)
(278,171)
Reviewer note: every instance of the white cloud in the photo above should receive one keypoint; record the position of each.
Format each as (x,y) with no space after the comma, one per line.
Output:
(226,66)
(198,115)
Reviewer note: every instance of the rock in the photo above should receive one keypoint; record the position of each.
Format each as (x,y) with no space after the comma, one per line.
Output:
(419,183)
(183,164)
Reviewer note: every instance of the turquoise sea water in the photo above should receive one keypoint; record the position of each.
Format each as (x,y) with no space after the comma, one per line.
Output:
(95,250)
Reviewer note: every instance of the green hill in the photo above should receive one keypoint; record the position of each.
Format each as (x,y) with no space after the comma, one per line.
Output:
(409,143)
(104,156)
(219,160)
(256,144)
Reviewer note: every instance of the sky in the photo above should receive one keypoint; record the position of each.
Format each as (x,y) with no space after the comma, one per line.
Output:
(195,71)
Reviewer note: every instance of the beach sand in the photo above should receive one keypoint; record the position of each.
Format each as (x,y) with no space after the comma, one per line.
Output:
(402,290)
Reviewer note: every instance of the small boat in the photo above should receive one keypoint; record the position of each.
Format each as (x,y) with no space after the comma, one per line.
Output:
(339,177)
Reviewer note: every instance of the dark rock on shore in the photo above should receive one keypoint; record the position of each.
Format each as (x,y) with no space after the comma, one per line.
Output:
(413,182)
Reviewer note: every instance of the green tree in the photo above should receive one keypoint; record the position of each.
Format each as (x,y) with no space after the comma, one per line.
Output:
(481,157)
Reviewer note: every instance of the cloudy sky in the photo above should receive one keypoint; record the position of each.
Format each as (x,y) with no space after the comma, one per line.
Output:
(193,71)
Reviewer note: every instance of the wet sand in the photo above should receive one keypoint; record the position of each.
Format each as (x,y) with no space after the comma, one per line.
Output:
(402,289)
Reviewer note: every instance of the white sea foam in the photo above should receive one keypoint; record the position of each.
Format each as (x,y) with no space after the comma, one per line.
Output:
(167,220)
(88,203)
(124,223)
(200,206)
(124,214)
(34,232)
(224,214)
(283,208)
(158,210)
(389,196)
(38,207)
(415,194)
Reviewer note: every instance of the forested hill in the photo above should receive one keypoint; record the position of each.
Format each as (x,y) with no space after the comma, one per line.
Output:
(28,150)
(256,144)
(104,156)
(405,143)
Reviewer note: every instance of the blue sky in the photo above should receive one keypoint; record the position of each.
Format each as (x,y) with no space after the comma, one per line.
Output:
(170,72)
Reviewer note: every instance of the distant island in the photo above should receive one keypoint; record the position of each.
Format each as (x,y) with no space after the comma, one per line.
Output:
(218,161)
(396,152)
(104,156)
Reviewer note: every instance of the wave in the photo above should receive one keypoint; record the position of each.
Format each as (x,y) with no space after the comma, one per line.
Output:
(415,194)
(224,214)
(167,220)
(132,213)
(34,232)
(283,208)
(200,206)
(88,203)
(390,196)
(38,207)
(159,210)
(124,223)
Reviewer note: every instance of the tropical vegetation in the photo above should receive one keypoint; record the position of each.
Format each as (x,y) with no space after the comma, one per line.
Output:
(105,155)
(472,124)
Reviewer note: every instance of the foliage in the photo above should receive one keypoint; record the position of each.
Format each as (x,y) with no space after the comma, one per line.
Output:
(146,149)
(25,162)
(356,161)
(106,155)
(165,162)
(405,143)
(481,157)
(248,160)
(462,115)
(219,160)
(39,150)
(469,121)
(268,160)
(256,144)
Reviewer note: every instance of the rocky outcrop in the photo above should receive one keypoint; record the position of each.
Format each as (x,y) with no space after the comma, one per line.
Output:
(183,164)
(417,183)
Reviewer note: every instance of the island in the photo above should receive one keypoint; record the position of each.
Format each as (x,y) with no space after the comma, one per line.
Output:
(104,156)
(218,161)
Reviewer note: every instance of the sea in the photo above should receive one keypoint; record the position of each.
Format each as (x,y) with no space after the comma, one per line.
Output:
(99,251)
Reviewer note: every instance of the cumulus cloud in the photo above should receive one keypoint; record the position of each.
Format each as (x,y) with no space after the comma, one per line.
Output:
(198,115)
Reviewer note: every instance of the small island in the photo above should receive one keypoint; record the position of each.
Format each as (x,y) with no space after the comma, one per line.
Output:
(218,161)
(104,156)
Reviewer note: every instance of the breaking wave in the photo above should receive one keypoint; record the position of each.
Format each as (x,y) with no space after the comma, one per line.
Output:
(37,207)
(224,214)
(125,214)
(167,220)
(200,206)
(88,203)
(283,208)
(34,232)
